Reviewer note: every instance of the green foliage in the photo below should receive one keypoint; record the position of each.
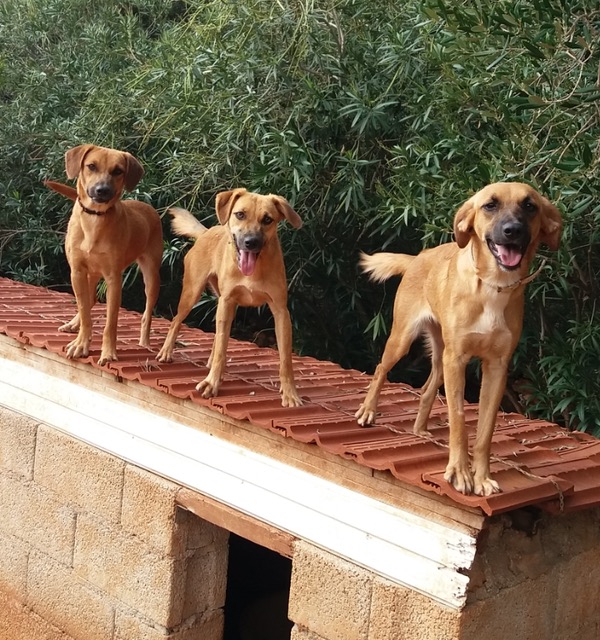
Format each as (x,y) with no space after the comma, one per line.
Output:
(376,119)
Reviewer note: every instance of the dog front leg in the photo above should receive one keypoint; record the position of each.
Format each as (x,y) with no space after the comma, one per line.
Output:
(114,285)
(458,472)
(493,383)
(82,322)
(396,347)
(283,333)
(225,312)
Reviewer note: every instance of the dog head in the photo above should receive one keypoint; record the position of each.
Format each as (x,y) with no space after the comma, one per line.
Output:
(252,220)
(511,219)
(102,174)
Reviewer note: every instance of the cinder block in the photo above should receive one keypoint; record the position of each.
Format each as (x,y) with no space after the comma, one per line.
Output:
(299,633)
(129,625)
(525,611)
(17,442)
(399,613)
(59,596)
(18,622)
(79,474)
(31,513)
(13,566)
(149,511)
(202,533)
(206,580)
(130,570)
(575,603)
(329,596)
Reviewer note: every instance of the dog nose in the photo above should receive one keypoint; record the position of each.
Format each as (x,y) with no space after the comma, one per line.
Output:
(102,191)
(253,243)
(512,230)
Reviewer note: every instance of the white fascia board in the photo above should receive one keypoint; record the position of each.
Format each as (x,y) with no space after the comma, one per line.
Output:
(396,544)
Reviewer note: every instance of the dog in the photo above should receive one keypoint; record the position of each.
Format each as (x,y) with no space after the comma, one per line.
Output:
(467,298)
(104,236)
(241,260)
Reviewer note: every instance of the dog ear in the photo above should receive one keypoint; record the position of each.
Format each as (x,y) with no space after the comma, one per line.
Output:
(134,172)
(551,225)
(285,209)
(463,223)
(74,159)
(225,201)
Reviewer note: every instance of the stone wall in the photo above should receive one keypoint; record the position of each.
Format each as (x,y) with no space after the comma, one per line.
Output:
(93,548)
(535,577)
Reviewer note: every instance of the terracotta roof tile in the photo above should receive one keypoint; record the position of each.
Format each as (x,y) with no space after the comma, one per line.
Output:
(535,462)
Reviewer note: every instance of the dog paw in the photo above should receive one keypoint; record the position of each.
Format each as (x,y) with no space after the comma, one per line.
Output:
(165,355)
(486,487)
(365,416)
(78,348)
(460,477)
(208,388)
(290,399)
(69,327)
(107,356)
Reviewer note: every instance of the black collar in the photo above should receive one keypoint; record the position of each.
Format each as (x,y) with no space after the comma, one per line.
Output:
(90,211)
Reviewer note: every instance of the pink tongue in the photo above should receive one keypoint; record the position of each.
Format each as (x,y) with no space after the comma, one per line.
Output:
(247,262)
(509,256)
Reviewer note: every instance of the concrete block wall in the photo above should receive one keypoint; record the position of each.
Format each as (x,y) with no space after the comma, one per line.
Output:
(92,548)
(533,580)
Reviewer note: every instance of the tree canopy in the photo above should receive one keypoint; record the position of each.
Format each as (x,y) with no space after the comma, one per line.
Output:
(376,119)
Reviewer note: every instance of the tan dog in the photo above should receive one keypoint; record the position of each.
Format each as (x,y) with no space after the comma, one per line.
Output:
(104,236)
(242,262)
(467,298)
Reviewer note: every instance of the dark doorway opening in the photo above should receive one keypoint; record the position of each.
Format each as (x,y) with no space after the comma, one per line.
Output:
(258,589)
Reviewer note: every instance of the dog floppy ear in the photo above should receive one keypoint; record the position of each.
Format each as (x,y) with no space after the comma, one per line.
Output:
(463,223)
(225,201)
(286,211)
(551,225)
(134,171)
(74,159)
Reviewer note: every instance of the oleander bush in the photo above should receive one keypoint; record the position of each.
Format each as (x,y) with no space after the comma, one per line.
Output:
(375,118)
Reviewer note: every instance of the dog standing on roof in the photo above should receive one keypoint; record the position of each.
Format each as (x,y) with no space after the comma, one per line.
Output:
(104,236)
(241,260)
(467,298)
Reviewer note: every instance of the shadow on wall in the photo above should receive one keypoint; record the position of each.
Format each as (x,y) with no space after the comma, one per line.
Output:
(258,589)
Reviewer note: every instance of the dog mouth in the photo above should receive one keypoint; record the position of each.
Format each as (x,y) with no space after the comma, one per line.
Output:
(247,261)
(508,256)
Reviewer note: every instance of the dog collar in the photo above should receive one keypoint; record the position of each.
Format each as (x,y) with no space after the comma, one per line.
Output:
(516,283)
(90,211)
(522,281)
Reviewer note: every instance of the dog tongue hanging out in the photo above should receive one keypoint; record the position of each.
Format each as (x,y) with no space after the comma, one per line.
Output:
(242,261)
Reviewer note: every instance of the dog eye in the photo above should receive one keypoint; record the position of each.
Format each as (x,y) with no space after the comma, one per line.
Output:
(91,166)
(528,206)
(117,172)
(240,215)
(490,206)
(267,220)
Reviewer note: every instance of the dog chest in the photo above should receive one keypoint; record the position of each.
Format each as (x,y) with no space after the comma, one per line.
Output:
(492,317)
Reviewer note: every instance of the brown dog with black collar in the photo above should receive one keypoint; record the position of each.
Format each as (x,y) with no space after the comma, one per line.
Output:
(104,236)
(242,262)
(468,299)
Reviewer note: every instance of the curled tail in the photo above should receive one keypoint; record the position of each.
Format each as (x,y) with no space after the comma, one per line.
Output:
(382,266)
(185,224)
(63,189)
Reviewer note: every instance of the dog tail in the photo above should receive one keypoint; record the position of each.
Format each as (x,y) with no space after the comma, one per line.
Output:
(63,189)
(382,266)
(185,224)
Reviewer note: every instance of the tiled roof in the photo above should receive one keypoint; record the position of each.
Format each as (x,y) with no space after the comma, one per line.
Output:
(535,462)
